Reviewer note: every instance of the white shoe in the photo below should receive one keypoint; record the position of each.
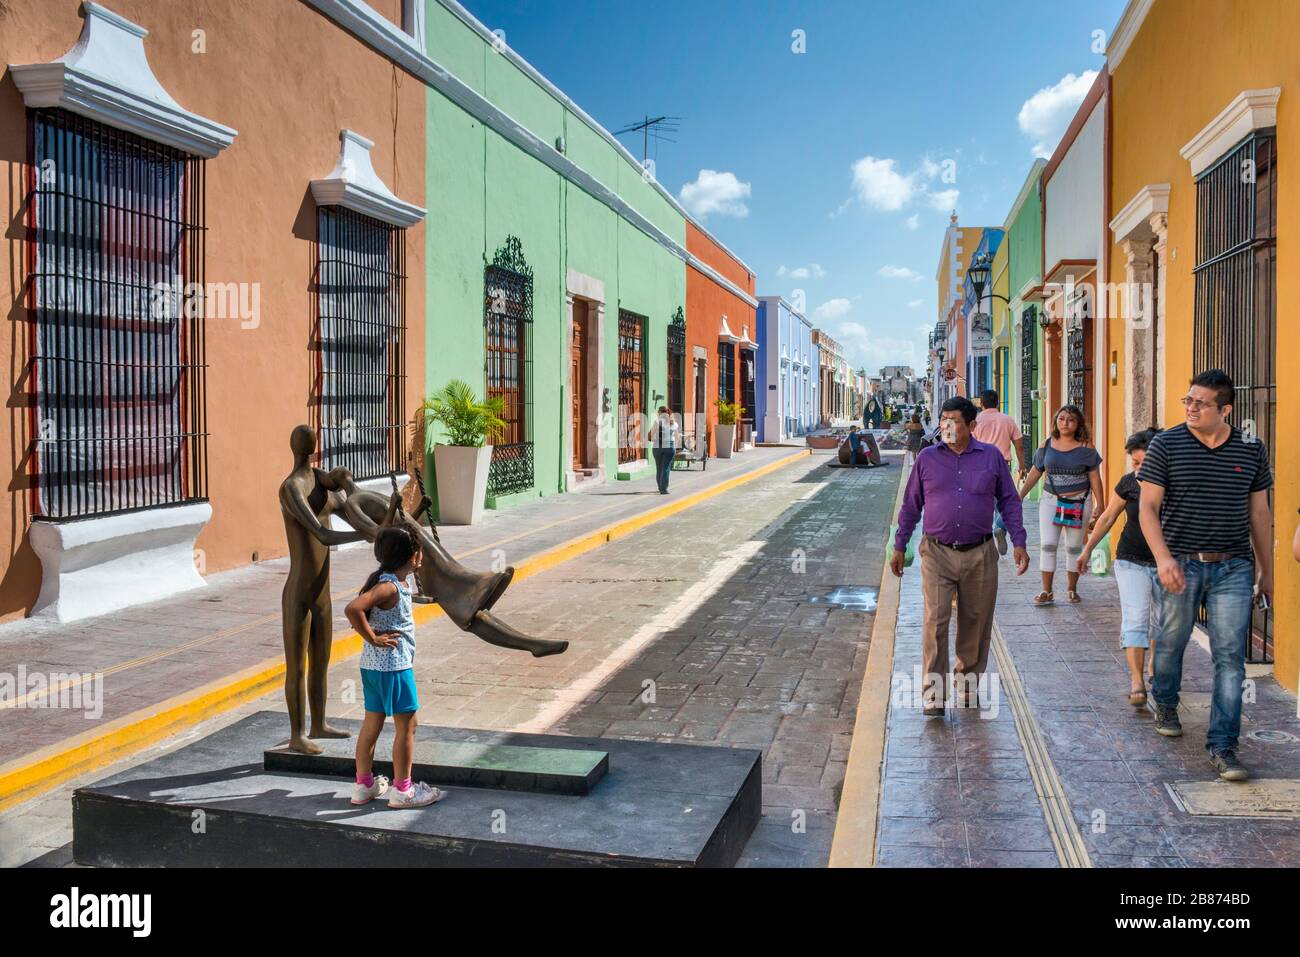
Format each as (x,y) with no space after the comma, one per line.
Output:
(364,795)
(419,795)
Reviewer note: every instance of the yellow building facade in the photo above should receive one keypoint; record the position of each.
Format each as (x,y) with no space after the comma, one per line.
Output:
(1204,223)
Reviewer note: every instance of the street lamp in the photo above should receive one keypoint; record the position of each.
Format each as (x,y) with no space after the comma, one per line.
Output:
(979,273)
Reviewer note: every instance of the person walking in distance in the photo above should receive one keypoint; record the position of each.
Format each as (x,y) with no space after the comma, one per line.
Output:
(663,438)
(995,427)
(1204,509)
(1073,484)
(955,486)
(915,437)
(1135,569)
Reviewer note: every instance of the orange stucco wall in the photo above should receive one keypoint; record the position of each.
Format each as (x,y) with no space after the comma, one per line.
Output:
(1161,99)
(706,304)
(288,80)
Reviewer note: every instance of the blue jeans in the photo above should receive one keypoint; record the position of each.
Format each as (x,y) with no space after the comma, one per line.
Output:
(1227,589)
(1139,601)
(663,465)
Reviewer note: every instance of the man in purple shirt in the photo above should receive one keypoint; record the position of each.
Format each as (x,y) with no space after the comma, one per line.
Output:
(958,485)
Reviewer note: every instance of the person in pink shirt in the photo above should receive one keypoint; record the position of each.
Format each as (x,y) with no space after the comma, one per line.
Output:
(994,427)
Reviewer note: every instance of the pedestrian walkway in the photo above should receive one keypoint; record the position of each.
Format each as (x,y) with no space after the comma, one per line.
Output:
(1064,772)
(217,645)
(743,621)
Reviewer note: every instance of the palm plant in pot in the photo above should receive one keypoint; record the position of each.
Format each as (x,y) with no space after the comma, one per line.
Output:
(461,464)
(728,414)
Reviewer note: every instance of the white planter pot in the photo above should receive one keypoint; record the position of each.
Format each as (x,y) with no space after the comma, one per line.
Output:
(462,482)
(725,440)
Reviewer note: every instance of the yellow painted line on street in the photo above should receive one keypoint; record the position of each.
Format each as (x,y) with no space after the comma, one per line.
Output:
(856,820)
(34,774)
(1067,840)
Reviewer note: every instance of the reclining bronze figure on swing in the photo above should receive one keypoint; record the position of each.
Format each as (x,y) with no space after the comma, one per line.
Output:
(309,496)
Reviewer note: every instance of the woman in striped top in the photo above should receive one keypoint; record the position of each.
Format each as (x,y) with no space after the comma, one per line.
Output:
(1072,493)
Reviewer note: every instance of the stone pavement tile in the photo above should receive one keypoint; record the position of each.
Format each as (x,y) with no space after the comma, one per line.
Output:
(988,857)
(1238,841)
(1009,835)
(785,838)
(1138,840)
(1136,861)
(918,832)
(901,855)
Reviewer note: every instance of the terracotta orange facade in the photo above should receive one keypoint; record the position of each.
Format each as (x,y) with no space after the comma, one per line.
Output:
(707,302)
(288,81)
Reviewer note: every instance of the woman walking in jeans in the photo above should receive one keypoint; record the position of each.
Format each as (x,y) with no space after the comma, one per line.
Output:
(1071,465)
(1135,569)
(663,436)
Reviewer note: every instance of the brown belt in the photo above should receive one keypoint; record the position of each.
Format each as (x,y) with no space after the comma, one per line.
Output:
(1208,557)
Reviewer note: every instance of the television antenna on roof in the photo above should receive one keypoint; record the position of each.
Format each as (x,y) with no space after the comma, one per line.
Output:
(652,126)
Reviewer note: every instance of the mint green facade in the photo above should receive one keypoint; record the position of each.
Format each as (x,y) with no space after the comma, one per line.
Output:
(482,188)
(1024,239)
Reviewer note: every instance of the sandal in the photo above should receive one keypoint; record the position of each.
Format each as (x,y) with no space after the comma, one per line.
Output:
(1137,699)
(1073,597)
(1044,598)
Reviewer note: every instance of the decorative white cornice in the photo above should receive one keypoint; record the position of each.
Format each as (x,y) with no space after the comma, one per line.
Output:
(106,77)
(355,185)
(1136,213)
(1249,110)
(725,334)
(1130,22)
(745,341)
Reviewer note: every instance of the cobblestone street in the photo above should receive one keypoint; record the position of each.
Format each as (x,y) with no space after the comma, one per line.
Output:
(708,627)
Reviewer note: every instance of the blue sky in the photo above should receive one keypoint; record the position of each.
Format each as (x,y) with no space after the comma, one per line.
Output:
(831,171)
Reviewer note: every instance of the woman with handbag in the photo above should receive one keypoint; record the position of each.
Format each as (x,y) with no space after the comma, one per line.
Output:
(1073,484)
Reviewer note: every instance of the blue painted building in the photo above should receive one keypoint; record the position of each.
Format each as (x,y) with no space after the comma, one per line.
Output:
(979,320)
(787,373)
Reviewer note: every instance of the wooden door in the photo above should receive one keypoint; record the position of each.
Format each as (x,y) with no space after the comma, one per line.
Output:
(578,385)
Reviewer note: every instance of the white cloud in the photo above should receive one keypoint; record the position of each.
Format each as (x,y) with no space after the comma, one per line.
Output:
(1046,114)
(944,200)
(832,309)
(880,185)
(915,303)
(811,271)
(863,350)
(715,192)
(899,272)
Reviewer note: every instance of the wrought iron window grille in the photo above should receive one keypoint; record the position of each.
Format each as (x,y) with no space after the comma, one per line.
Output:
(1235,318)
(631,386)
(116,315)
(360,342)
(507,321)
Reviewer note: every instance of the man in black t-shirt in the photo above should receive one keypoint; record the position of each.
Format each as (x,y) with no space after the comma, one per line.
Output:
(1204,504)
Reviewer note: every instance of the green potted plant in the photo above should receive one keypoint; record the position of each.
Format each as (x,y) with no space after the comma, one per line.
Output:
(728,414)
(462,462)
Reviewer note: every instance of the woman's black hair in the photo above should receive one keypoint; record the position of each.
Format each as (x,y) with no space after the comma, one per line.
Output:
(1140,440)
(394,547)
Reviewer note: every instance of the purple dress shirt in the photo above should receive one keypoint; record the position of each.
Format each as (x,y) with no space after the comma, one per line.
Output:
(958,494)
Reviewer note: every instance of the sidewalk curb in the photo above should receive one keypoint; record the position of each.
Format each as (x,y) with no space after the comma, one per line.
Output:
(32,775)
(856,819)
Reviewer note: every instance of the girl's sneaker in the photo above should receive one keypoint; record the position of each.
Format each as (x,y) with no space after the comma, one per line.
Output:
(418,795)
(364,795)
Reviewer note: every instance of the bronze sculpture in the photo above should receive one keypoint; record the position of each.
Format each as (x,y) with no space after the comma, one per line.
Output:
(308,497)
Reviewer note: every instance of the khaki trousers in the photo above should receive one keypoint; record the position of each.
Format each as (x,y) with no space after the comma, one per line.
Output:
(972,576)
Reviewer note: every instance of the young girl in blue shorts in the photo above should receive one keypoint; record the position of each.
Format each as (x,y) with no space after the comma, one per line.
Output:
(381,614)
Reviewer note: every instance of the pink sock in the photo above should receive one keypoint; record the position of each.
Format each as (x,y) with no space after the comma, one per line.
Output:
(403,785)
(366,779)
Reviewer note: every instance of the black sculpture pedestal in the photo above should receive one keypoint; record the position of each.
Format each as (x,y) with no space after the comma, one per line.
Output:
(225,801)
